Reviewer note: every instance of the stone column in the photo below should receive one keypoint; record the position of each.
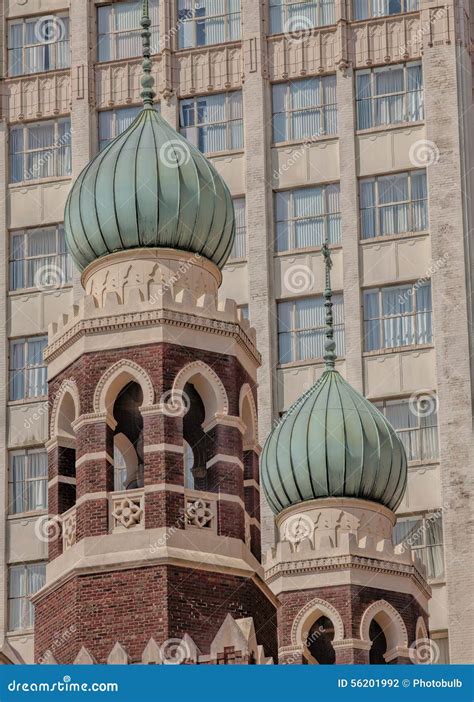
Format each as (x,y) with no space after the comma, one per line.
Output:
(225,476)
(94,474)
(163,469)
(351,652)
(445,59)
(82,94)
(346,120)
(257,111)
(252,499)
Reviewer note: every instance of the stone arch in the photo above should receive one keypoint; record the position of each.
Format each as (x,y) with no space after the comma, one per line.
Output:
(389,620)
(309,614)
(248,415)
(207,384)
(421,632)
(66,408)
(115,379)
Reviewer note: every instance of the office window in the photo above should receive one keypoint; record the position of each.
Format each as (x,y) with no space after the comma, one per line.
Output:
(23,582)
(119,31)
(424,536)
(364,9)
(114,122)
(389,95)
(398,316)
(38,44)
(239,249)
(304,108)
(27,369)
(213,123)
(208,22)
(40,150)
(302,328)
(307,217)
(39,259)
(28,481)
(416,422)
(288,16)
(393,204)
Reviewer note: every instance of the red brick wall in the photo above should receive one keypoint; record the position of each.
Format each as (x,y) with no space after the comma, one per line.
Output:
(162,602)
(351,601)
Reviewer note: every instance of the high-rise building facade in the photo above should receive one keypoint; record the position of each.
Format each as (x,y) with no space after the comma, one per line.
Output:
(342,121)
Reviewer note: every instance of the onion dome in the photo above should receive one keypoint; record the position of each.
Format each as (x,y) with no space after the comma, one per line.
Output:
(333,442)
(149,188)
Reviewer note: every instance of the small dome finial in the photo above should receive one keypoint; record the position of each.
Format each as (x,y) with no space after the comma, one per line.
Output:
(329,344)
(148,94)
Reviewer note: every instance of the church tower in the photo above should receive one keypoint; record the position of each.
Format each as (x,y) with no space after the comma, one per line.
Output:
(154,553)
(334,472)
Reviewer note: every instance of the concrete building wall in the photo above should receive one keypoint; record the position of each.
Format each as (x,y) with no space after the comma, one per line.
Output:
(439,36)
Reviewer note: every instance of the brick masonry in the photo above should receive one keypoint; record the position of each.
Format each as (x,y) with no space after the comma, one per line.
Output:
(163,602)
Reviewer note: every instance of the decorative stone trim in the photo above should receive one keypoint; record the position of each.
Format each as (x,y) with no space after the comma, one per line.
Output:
(127,510)
(63,479)
(60,442)
(309,612)
(352,643)
(200,513)
(96,456)
(91,497)
(219,404)
(113,373)
(224,458)
(252,437)
(94,418)
(395,630)
(157,448)
(252,483)
(226,421)
(68,386)
(68,520)
(397,652)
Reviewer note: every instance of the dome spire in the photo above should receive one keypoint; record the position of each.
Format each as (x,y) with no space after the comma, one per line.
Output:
(329,344)
(147,81)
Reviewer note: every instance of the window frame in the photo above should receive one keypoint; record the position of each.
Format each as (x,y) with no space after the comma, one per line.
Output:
(26,453)
(293,331)
(62,260)
(286,20)
(412,315)
(374,96)
(102,143)
(55,149)
(27,607)
(240,235)
(323,109)
(425,547)
(410,204)
(370,16)
(25,369)
(197,126)
(291,222)
(59,18)
(416,433)
(154,29)
(194,21)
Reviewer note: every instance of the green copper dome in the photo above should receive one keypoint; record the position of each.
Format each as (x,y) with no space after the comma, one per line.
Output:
(333,443)
(149,188)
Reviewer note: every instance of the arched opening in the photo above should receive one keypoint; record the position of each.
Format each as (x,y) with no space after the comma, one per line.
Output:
(64,412)
(379,644)
(128,438)
(319,641)
(196,441)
